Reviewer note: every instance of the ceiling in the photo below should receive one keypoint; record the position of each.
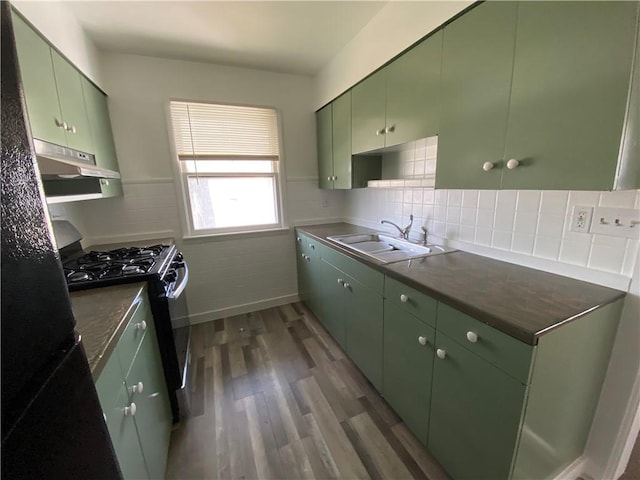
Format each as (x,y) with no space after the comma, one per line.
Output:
(297,37)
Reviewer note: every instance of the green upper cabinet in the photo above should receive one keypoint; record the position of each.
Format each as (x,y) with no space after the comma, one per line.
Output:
(74,112)
(368,113)
(337,168)
(102,136)
(39,83)
(477,61)
(413,92)
(399,103)
(324,134)
(569,94)
(535,94)
(341,129)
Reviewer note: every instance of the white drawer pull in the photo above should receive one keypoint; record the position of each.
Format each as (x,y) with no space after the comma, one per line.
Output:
(138,388)
(130,410)
(441,354)
(472,337)
(422,340)
(141,326)
(404,298)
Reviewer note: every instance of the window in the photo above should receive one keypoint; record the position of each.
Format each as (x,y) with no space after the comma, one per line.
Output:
(228,157)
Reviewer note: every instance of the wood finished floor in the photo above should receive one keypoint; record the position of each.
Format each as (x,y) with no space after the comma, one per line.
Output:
(274,396)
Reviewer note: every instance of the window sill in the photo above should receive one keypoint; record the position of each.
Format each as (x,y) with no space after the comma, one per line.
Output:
(214,237)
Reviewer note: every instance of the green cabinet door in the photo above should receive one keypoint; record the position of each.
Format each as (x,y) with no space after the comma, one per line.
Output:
(368,114)
(153,417)
(477,61)
(310,274)
(570,86)
(342,141)
(74,112)
(324,132)
(39,83)
(363,329)
(476,413)
(333,302)
(102,136)
(407,367)
(124,436)
(413,93)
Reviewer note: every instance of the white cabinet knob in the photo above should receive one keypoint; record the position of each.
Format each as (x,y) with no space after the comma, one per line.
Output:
(307,258)
(312,246)
(486,166)
(346,285)
(513,163)
(334,178)
(441,353)
(141,326)
(422,340)
(390,129)
(472,337)
(65,125)
(340,281)
(404,298)
(380,132)
(299,239)
(71,129)
(329,178)
(58,123)
(138,388)
(131,409)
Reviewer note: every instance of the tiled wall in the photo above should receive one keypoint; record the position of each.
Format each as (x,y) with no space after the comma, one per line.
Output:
(529,223)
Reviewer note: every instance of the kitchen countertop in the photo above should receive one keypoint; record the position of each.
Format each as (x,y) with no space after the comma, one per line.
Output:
(101,316)
(522,302)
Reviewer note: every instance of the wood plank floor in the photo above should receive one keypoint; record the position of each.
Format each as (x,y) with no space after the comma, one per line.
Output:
(274,396)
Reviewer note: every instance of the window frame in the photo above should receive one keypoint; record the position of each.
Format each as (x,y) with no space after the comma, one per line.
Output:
(181,176)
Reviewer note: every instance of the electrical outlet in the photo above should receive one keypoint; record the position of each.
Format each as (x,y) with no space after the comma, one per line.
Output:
(581,219)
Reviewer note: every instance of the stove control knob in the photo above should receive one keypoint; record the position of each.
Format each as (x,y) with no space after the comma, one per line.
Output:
(171,276)
(178,257)
(177,264)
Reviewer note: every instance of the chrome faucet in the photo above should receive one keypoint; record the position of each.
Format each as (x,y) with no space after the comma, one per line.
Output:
(404,232)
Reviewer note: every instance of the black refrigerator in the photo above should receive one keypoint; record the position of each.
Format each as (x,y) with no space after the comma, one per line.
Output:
(52,423)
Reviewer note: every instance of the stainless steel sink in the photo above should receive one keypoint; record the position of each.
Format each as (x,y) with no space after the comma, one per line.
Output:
(385,248)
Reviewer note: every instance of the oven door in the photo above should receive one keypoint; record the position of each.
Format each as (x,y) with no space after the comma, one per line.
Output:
(179,313)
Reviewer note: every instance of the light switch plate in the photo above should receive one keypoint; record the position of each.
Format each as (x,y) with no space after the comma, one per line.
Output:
(616,222)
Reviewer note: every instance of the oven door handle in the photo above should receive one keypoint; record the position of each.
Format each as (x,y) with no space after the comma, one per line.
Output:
(180,288)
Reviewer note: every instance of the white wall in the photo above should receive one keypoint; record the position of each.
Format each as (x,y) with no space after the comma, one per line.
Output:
(56,22)
(396,27)
(228,274)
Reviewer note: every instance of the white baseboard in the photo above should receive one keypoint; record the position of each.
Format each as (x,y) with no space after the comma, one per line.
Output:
(241,309)
(574,470)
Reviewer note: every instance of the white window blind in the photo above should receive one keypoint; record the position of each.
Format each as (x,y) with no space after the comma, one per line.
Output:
(205,131)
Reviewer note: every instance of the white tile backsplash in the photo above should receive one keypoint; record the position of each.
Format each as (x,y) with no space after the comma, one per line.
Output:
(532,223)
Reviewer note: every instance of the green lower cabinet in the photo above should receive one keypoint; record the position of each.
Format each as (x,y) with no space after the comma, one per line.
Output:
(333,302)
(476,413)
(309,274)
(153,417)
(407,367)
(114,399)
(363,329)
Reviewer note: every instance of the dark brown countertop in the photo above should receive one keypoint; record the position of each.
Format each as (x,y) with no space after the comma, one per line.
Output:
(101,317)
(520,301)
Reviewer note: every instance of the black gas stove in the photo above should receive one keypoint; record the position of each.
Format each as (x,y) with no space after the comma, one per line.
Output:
(102,268)
(166,274)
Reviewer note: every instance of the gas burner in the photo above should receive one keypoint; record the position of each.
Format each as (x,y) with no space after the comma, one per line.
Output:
(79,276)
(133,270)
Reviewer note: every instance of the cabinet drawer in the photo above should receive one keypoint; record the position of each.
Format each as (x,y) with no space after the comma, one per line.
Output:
(369,277)
(134,333)
(411,300)
(508,354)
